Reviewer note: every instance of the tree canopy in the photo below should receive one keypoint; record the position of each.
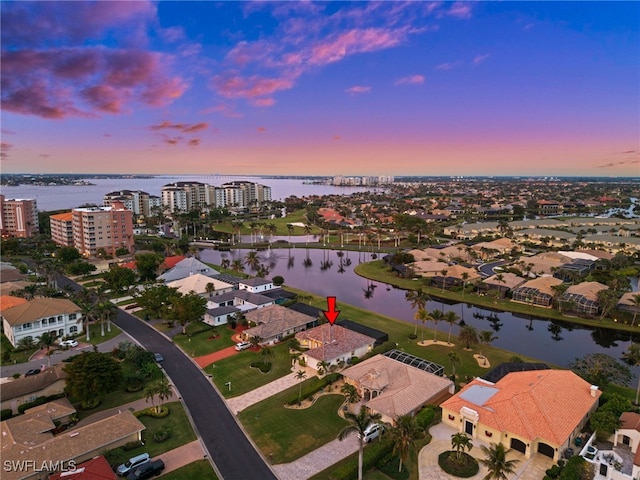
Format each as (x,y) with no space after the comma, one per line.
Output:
(91,375)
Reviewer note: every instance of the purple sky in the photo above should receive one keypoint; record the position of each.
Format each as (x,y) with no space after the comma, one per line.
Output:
(352,88)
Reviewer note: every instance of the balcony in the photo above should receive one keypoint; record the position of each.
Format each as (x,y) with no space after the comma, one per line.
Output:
(610,462)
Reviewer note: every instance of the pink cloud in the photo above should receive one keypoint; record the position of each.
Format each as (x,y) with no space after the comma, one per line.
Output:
(236,86)
(261,129)
(358,89)
(460,10)
(478,59)
(410,80)
(58,83)
(183,127)
(224,110)
(448,65)
(194,142)
(263,102)
(4,149)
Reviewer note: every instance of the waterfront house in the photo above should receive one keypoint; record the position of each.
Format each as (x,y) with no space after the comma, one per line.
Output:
(185,268)
(533,412)
(202,285)
(256,285)
(538,291)
(583,297)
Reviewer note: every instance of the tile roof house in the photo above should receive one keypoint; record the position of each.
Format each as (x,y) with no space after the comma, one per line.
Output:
(275,322)
(184,268)
(51,381)
(198,283)
(509,282)
(58,316)
(7,301)
(392,388)
(583,297)
(538,291)
(95,469)
(27,440)
(256,285)
(539,411)
(333,344)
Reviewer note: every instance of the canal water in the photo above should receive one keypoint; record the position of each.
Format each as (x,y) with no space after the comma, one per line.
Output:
(326,273)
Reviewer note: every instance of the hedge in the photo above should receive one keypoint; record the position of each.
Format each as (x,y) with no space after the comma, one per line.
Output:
(312,387)
(374,454)
(468,468)
(6,414)
(151,412)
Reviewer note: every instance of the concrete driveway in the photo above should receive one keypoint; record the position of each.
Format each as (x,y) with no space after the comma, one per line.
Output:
(526,469)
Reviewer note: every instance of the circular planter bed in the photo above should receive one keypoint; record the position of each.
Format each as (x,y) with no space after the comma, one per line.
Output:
(465,467)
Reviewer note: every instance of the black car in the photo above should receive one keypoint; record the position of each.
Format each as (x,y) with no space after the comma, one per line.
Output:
(33,371)
(146,470)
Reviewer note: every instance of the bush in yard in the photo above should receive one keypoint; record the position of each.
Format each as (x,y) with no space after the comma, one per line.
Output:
(464,468)
(427,416)
(151,412)
(5,414)
(131,445)
(161,435)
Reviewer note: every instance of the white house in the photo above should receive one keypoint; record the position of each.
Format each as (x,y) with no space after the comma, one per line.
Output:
(255,285)
(185,268)
(204,286)
(58,316)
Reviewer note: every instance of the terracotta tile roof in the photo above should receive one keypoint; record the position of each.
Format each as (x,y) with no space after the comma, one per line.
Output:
(63,217)
(95,469)
(67,446)
(273,320)
(7,301)
(32,384)
(39,308)
(172,261)
(403,388)
(630,421)
(328,342)
(540,404)
(197,283)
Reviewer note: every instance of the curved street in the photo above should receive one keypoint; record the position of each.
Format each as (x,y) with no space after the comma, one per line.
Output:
(234,456)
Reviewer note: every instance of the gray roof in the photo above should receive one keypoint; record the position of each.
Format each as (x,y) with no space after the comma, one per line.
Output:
(255,282)
(227,309)
(186,267)
(254,298)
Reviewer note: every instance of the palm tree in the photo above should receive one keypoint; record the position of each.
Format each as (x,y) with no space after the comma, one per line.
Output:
(46,340)
(436,316)
(210,288)
(236,266)
(351,392)
(455,360)
(423,315)
(164,392)
(252,260)
(496,462)
(632,357)
(105,312)
(460,442)
(485,338)
(465,277)
(635,302)
(300,376)
(307,231)
(444,272)
(290,229)
(267,355)
(468,335)
(418,299)
(358,424)
(451,318)
(404,434)
(323,367)
(225,263)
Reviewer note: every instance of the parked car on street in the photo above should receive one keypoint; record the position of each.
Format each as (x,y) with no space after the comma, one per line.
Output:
(242,346)
(158,356)
(33,371)
(146,470)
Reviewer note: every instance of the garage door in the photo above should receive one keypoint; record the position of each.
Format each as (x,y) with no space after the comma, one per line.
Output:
(518,445)
(547,450)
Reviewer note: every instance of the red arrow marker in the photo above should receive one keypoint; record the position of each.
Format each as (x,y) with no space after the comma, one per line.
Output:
(332,314)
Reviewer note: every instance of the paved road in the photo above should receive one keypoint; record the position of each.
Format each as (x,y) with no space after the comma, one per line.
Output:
(486,269)
(233,454)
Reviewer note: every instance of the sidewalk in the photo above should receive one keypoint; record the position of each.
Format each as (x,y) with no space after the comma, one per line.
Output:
(239,403)
(318,460)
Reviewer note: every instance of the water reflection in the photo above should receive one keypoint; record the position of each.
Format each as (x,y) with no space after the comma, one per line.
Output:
(556,342)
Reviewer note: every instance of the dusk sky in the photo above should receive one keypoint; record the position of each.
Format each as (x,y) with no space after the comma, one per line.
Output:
(321,88)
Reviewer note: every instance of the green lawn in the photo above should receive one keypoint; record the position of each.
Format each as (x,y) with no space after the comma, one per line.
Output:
(237,370)
(399,331)
(295,217)
(177,422)
(377,270)
(200,470)
(96,337)
(283,434)
(13,357)
(200,343)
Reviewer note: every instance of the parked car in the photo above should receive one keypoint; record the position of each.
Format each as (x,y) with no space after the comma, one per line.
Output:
(134,462)
(242,346)
(373,431)
(146,470)
(33,371)
(68,344)
(158,356)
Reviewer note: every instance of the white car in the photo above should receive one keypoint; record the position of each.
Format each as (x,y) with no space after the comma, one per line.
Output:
(373,431)
(68,344)
(242,346)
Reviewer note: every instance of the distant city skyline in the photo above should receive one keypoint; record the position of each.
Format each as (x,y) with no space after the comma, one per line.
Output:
(321,88)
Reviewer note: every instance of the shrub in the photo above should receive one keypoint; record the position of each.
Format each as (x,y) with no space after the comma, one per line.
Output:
(131,445)
(151,412)
(373,456)
(264,367)
(312,387)
(426,416)
(161,435)
(34,403)
(412,336)
(5,414)
(465,468)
